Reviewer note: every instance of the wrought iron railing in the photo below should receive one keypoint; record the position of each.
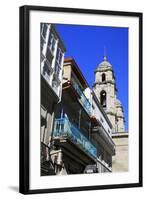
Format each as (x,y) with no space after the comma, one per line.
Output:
(64,128)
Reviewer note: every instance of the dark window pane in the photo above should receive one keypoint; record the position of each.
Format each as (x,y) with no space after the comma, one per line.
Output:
(51,42)
(49,56)
(103,99)
(57,69)
(103,77)
(46,69)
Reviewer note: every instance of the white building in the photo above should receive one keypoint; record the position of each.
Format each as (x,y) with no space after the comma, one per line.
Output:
(52,57)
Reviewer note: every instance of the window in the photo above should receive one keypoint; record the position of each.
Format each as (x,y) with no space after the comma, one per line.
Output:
(103,98)
(46,69)
(42,44)
(49,56)
(43,34)
(44,30)
(43,122)
(59,56)
(57,69)
(52,42)
(103,77)
(55,85)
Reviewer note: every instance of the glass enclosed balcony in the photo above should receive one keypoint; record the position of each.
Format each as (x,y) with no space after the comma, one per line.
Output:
(64,128)
(84,101)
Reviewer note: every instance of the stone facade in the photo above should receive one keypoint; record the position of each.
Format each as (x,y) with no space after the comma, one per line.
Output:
(120,160)
(105,90)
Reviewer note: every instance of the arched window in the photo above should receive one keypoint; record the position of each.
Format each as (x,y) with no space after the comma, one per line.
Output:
(103,98)
(103,77)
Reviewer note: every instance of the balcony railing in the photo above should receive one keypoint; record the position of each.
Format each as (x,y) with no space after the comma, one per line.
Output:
(84,101)
(64,128)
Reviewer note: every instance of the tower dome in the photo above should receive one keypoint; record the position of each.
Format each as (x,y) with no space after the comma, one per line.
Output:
(104,65)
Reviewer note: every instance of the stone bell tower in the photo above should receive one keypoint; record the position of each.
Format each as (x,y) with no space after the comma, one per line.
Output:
(105,89)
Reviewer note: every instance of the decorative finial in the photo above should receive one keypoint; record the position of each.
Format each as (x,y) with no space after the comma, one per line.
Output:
(105,58)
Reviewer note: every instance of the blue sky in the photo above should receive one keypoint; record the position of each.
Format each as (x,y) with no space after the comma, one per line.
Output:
(86,45)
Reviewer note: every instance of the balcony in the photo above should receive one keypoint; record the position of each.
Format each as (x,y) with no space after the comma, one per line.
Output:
(83,99)
(64,128)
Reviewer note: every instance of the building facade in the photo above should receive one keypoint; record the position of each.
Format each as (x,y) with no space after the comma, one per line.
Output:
(106,92)
(52,57)
(82,135)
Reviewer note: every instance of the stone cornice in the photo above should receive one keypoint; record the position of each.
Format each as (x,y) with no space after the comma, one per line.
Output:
(103,70)
(104,82)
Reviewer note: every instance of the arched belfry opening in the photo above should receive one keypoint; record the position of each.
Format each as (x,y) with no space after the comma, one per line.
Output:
(103,98)
(103,77)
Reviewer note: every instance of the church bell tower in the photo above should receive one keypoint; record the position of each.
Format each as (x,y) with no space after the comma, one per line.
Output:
(105,89)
